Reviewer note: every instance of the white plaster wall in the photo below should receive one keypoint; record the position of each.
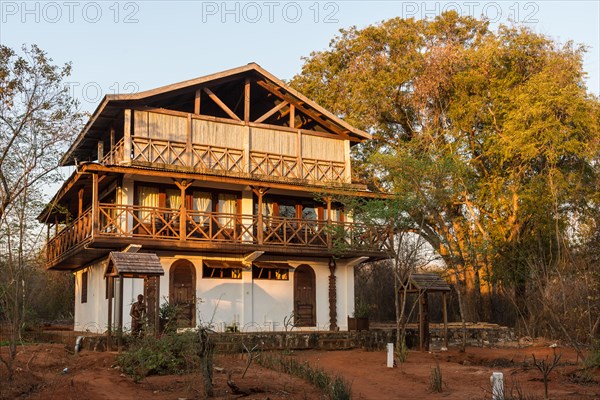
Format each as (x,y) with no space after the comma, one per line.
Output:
(92,315)
(254,305)
(273,301)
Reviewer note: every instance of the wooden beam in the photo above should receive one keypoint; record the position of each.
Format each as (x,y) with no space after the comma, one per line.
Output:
(127,137)
(80,202)
(221,104)
(271,111)
(291,99)
(247,100)
(292,116)
(231,180)
(197,102)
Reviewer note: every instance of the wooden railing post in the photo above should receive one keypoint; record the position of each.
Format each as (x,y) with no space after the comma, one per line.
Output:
(95,204)
(127,136)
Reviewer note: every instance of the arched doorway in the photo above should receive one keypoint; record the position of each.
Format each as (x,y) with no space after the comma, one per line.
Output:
(182,292)
(305,303)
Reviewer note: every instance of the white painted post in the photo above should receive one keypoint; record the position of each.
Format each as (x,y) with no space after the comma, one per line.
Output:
(390,355)
(497,381)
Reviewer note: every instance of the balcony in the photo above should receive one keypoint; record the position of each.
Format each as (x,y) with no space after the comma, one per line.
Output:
(113,226)
(178,141)
(201,157)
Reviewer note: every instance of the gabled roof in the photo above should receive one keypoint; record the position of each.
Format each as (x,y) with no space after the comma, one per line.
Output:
(120,263)
(428,282)
(112,104)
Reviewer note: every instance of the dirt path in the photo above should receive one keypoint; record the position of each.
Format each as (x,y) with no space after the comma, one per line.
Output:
(92,375)
(466,376)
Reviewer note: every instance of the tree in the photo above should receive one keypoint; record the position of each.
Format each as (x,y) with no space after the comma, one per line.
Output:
(488,136)
(38,118)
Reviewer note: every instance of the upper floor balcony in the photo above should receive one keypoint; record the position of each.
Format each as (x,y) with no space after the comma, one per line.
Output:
(183,141)
(107,226)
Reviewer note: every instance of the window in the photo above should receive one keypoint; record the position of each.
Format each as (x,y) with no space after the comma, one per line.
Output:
(201,206)
(84,287)
(173,198)
(221,270)
(148,197)
(275,274)
(227,206)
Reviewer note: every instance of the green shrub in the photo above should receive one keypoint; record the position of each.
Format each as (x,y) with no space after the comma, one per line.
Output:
(336,388)
(170,354)
(592,358)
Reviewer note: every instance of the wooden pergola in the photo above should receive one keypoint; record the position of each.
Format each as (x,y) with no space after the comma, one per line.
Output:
(145,266)
(422,285)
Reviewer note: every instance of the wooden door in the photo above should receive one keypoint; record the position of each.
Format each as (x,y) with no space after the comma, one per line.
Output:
(182,292)
(304,296)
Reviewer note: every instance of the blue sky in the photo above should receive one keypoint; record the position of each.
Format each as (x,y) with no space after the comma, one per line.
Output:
(137,45)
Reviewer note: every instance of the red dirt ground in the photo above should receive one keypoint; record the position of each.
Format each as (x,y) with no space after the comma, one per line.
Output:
(92,375)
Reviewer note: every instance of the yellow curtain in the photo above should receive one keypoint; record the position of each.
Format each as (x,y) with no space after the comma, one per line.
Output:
(148,197)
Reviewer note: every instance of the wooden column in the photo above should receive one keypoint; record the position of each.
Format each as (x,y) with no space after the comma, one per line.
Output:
(100,150)
(95,204)
(80,202)
(197,102)
(183,185)
(299,166)
(112,145)
(188,144)
(247,101)
(445,312)
(332,296)
(328,230)
(152,296)
(109,330)
(259,192)
(120,314)
(127,136)
(423,321)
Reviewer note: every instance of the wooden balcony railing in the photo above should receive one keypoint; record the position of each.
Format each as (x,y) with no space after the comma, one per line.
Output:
(70,237)
(225,159)
(166,224)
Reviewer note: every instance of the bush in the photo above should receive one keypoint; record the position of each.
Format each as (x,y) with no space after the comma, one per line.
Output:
(592,358)
(336,388)
(170,354)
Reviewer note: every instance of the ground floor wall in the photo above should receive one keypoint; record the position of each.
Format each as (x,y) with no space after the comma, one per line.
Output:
(243,304)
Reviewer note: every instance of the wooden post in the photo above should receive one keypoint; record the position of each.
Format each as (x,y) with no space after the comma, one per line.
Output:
(292,116)
(111,280)
(95,204)
(445,312)
(183,185)
(423,321)
(188,144)
(328,231)
(247,101)
(332,296)
(197,102)
(157,308)
(120,314)
(80,202)
(299,166)
(259,218)
(100,150)
(127,136)
(112,145)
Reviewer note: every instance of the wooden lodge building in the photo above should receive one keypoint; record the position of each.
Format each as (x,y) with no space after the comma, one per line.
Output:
(218,176)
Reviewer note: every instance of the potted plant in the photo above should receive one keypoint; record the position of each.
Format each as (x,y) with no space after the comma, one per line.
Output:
(360,317)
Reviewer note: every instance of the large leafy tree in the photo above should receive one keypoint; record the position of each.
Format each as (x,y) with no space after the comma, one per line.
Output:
(38,118)
(488,136)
